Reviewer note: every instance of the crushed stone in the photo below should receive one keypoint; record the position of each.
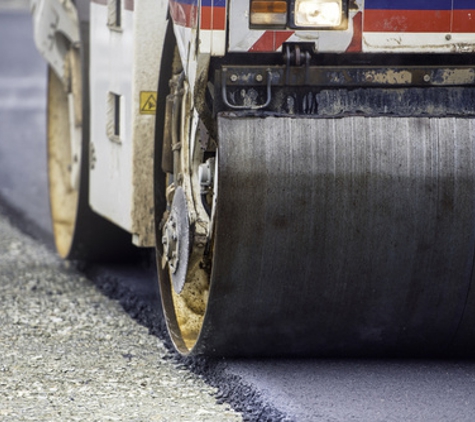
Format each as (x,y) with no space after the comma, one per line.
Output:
(69,353)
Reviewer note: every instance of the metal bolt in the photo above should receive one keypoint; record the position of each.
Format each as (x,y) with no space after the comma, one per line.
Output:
(259,77)
(448,37)
(427,78)
(233,77)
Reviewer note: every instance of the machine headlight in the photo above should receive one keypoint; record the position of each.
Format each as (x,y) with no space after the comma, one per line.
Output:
(318,13)
(295,14)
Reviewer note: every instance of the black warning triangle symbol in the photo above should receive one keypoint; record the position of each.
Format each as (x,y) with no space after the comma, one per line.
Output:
(150,104)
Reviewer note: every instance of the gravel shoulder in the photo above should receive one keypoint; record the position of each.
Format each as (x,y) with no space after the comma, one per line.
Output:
(69,353)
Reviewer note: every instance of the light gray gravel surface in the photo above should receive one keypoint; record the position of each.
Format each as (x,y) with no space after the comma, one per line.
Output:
(68,353)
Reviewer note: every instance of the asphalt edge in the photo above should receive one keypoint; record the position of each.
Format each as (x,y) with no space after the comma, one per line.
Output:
(231,389)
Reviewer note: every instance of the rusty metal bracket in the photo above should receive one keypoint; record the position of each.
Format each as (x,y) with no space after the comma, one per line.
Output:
(246,107)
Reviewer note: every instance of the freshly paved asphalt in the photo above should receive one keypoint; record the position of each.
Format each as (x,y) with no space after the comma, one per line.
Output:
(302,390)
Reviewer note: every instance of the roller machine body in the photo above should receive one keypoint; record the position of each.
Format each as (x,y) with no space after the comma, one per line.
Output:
(303,168)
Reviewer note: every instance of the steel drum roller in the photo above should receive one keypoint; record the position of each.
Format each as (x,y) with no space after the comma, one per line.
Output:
(344,237)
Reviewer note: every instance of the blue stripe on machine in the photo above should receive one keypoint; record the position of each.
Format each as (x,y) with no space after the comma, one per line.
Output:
(214,3)
(415,4)
(464,4)
(187,2)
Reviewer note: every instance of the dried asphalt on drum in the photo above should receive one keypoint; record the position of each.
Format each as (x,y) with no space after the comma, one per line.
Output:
(68,353)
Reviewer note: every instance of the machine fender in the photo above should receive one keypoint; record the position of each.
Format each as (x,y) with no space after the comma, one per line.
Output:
(56,25)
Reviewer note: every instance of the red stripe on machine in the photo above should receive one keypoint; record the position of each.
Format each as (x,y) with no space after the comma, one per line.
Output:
(464,21)
(213,18)
(271,41)
(356,44)
(407,20)
(183,14)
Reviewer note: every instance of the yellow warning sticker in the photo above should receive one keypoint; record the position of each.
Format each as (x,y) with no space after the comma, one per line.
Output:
(148,102)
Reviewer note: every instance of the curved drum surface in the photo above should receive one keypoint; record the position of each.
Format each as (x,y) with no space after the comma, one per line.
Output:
(350,237)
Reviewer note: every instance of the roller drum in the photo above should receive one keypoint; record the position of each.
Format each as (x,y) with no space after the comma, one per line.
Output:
(343,237)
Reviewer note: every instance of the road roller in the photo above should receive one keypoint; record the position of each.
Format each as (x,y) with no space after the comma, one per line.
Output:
(304,169)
